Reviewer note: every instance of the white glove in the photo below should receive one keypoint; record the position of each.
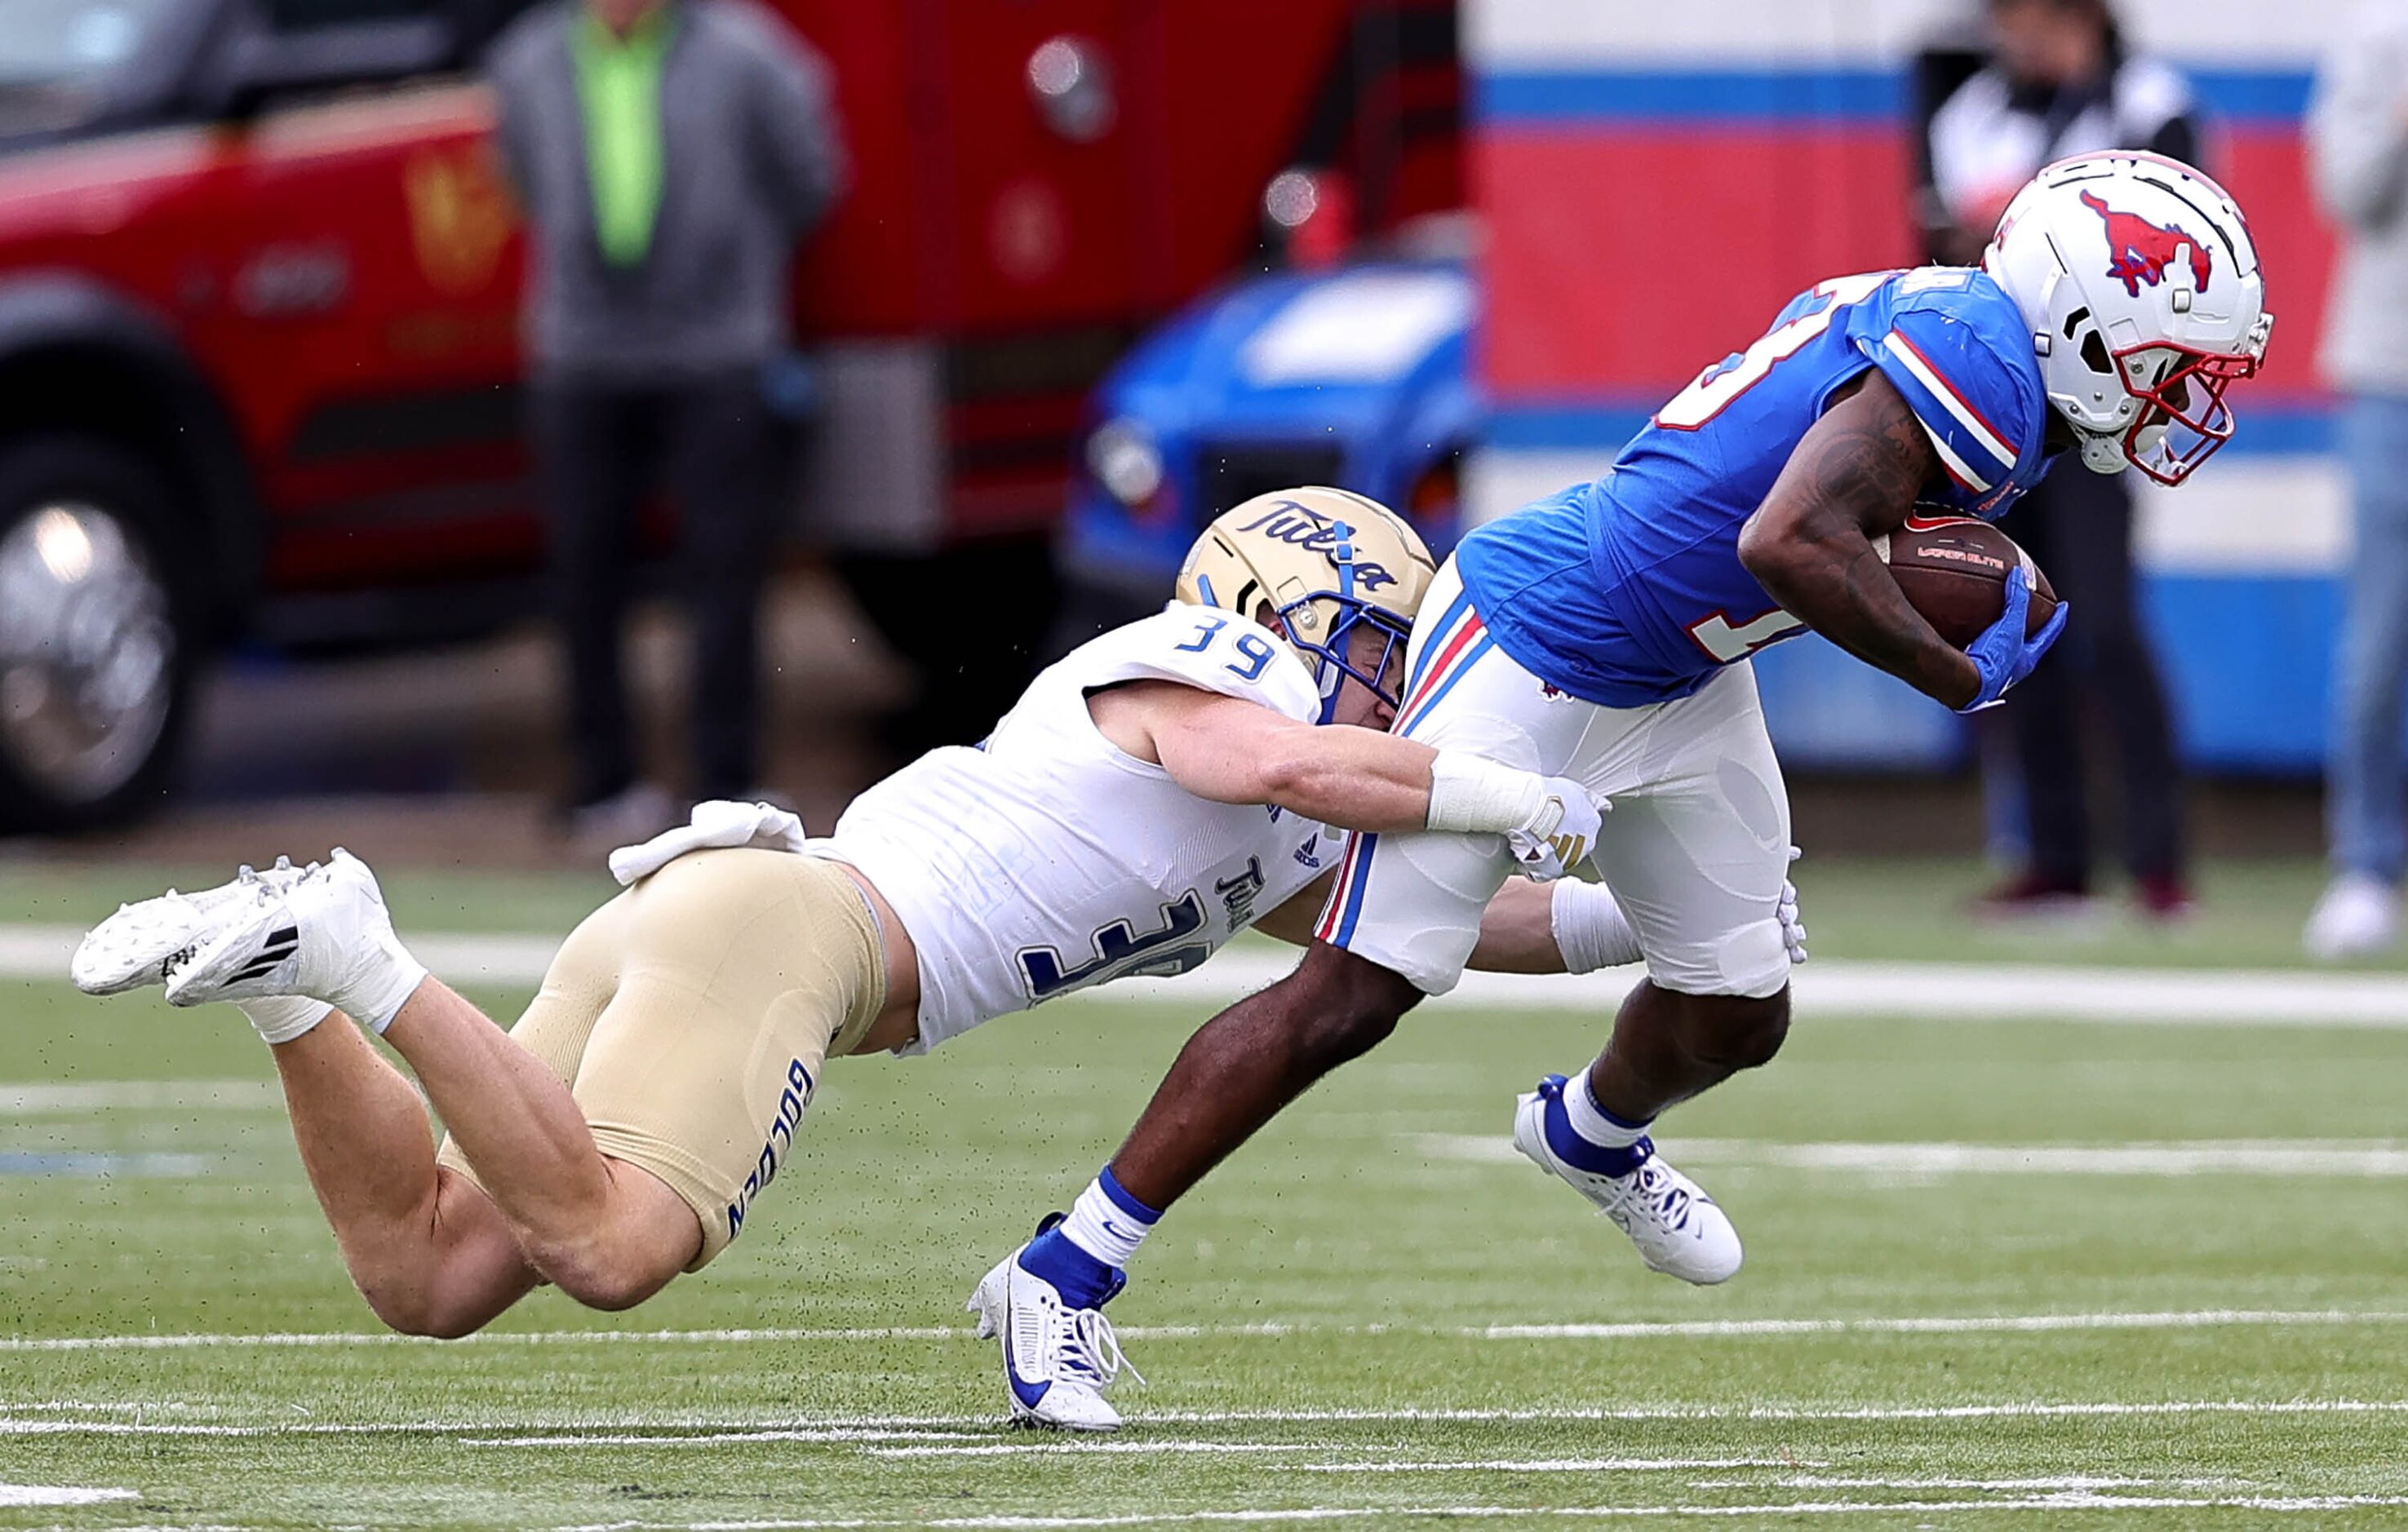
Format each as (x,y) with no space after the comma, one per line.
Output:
(1793,930)
(1558,836)
(716,825)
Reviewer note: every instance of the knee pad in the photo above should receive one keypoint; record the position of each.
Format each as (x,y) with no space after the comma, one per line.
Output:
(1750,961)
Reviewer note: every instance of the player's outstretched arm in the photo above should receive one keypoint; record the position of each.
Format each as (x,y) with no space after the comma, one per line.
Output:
(1230,749)
(1856,474)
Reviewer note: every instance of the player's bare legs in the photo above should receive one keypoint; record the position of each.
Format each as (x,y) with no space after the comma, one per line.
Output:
(1244,1065)
(1668,1047)
(429,1252)
(608,1234)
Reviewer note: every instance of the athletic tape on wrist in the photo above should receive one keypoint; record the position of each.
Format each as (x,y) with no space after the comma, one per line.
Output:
(1469,795)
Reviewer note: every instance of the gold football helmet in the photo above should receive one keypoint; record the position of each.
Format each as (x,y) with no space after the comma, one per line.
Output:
(1326,561)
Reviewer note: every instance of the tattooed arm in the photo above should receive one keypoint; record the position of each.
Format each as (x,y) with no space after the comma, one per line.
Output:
(1856,475)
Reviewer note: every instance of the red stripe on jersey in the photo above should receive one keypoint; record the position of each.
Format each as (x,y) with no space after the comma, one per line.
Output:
(1472,627)
(2008,456)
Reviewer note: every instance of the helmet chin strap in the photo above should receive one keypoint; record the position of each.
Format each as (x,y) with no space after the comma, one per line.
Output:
(2103,454)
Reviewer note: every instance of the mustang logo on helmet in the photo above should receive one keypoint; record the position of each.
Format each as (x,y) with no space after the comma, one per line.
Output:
(1301,525)
(2138,251)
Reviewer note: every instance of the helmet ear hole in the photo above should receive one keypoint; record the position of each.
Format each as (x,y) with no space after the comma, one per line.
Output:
(2094,354)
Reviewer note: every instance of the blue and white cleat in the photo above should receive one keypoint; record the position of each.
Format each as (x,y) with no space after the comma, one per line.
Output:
(1678,1229)
(144,943)
(1058,1358)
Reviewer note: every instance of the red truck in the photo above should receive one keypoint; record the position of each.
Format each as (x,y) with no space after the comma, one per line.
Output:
(259,363)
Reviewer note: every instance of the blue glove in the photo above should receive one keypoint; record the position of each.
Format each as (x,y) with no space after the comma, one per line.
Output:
(2003,655)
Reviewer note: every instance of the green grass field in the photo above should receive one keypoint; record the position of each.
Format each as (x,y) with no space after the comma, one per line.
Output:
(2000,1275)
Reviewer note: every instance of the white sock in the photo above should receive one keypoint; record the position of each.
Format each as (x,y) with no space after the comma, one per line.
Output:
(281,1018)
(379,983)
(1107,1222)
(1591,1121)
(380,977)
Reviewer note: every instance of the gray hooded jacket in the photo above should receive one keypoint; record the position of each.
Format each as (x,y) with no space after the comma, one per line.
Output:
(751,159)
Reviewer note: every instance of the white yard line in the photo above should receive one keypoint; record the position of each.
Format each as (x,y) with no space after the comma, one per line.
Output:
(1108,1449)
(1928,991)
(1936,1324)
(674,1432)
(95,1095)
(1622,1330)
(839,1433)
(62,1495)
(43,951)
(2071,1482)
(2017,1409)
(2374,1158)
(2070,1500)
(1556,1465)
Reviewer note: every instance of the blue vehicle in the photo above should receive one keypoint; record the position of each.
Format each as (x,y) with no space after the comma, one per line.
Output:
(1357,378)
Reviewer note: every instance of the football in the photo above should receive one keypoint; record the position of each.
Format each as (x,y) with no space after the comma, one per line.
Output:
(1953,571)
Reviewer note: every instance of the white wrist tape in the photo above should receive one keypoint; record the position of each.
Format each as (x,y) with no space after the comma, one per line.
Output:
(1590,929)
(1469,795)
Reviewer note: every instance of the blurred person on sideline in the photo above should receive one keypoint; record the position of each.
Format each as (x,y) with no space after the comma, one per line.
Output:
(2357,156)
(668,154)
(2062,82)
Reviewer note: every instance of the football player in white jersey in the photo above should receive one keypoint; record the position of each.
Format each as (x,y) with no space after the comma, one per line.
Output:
(1162,788)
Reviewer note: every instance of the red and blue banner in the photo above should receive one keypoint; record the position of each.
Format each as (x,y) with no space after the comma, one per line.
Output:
(1657,184)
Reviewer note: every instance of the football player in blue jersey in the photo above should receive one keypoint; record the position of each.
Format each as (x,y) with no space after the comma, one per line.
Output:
(1603,635)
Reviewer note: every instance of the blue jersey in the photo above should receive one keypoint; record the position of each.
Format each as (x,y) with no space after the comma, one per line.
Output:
(1629,591)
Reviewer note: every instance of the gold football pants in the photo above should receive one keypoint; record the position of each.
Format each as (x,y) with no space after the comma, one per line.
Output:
(690,1018)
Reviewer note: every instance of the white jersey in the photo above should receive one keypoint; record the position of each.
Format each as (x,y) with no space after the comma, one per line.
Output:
(1046,860)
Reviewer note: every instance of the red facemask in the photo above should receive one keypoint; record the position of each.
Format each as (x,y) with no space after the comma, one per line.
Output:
(2183,413)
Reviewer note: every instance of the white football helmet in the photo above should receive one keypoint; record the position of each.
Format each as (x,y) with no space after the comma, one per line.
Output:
(2141,284)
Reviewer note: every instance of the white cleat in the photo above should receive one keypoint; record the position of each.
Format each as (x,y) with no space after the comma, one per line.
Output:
(2357,915)
(1057,1360)
(326,936)
(1678,1229)
(143,943)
